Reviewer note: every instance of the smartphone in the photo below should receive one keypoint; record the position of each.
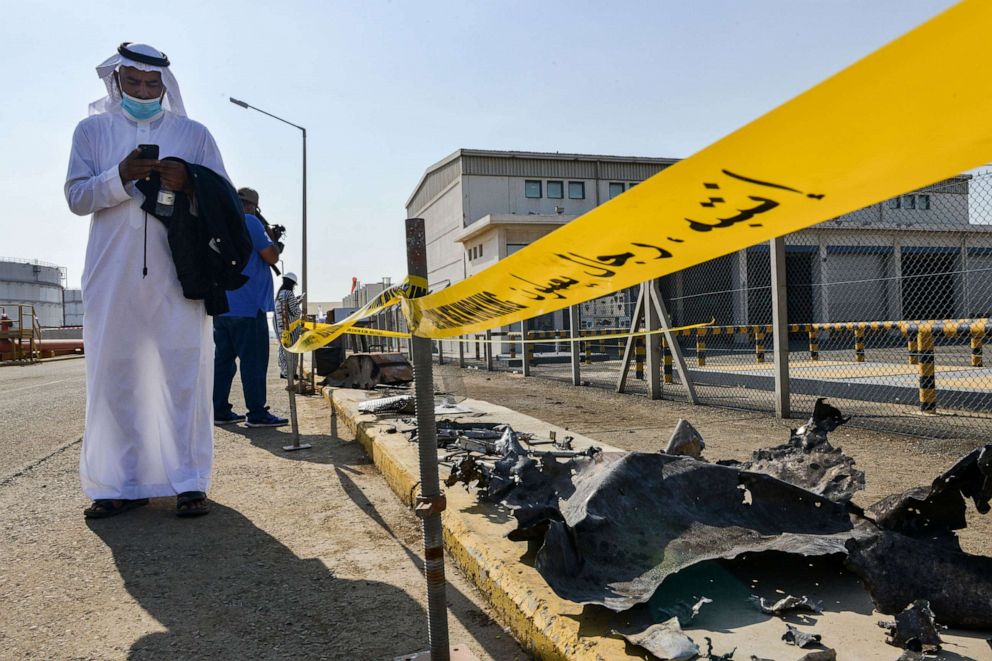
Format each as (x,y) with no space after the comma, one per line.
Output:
(148,151)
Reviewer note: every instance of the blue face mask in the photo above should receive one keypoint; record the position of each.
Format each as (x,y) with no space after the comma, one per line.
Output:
(140,109)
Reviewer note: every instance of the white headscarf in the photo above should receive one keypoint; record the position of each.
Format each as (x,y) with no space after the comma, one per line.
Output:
(173,100)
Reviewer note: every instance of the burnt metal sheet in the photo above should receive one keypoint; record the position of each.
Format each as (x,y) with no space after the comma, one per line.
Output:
(914,629)
(809,461)
(794,636)
(941,507)
(665,641)
(637,518)
(898,570)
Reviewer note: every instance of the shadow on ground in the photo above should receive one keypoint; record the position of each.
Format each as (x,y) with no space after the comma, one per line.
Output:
(219,584)
(458,604)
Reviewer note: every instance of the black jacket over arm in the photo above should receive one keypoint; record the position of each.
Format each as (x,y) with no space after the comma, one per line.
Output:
(211,248)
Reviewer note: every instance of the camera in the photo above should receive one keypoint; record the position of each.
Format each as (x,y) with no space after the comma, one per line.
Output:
(275,232)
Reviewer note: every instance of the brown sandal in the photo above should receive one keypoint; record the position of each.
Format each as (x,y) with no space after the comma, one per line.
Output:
(103,508)
(192,503)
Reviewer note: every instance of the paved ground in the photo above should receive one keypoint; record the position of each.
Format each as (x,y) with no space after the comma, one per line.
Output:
(41,408)
(305,555)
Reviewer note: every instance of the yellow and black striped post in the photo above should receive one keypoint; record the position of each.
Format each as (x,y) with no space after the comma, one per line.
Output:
(639,352)
(513,344)
(701,347)
(859,344)
(928,383)
(587,349)
(977,340)
(814,347)
(759,344)
(529,349)
(910,346)
(666,361)
(477,356)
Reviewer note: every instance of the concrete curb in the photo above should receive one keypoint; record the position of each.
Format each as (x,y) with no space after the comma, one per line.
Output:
(475,538)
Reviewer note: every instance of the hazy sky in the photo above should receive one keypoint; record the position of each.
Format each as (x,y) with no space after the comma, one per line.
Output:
(387,88)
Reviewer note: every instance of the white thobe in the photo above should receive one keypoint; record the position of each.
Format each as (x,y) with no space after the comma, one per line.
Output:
(149,350)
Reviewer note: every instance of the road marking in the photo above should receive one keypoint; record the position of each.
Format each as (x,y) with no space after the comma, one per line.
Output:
(38,385)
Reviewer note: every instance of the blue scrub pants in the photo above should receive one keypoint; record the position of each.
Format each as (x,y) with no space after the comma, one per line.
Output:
(246,339)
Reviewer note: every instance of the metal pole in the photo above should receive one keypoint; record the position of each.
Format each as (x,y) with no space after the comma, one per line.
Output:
(573,347)
(631,344)
(489,351)
(291,387)
(303,274)
(652,322)
(655,299)
(524,353)
(780,328)
(431,501)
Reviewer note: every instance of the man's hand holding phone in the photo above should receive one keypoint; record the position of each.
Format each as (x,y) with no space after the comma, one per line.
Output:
(143,161)
(139,164)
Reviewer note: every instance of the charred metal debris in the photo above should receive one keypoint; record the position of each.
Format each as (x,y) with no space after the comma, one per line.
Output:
(610,527)
(914,629)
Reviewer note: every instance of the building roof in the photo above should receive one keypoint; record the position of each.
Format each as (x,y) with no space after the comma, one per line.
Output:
(532,155)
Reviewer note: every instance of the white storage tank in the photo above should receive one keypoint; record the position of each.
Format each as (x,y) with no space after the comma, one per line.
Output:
(35,283)
(72,299)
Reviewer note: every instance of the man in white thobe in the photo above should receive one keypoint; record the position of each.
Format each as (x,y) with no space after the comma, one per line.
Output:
(149,350)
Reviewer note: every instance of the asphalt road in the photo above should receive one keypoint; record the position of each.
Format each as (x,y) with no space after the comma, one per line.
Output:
(42,407)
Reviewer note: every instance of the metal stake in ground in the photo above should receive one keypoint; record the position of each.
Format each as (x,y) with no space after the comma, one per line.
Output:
(291,387)
(431,501)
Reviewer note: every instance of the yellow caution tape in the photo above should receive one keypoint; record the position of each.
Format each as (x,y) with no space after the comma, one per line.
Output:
(412,286)
(378,332)
(913,112)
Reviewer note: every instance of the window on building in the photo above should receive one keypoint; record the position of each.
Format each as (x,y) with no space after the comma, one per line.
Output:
(556,190)
(923,202)
(532,188)
(908,201)
(615,189)
(576,190)
(514,247)
(480,250)
(894,203)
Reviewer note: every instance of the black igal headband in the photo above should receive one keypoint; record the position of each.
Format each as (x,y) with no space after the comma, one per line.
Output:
(141,57)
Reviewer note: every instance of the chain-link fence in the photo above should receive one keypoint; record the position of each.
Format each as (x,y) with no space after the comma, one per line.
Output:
(886,309)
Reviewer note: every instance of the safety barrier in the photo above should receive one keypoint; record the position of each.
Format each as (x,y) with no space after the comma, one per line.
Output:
(20,336)
(976,329)
(920,342)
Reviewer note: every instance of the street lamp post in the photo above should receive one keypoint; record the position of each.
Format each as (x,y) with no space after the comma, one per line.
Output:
(303,238)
